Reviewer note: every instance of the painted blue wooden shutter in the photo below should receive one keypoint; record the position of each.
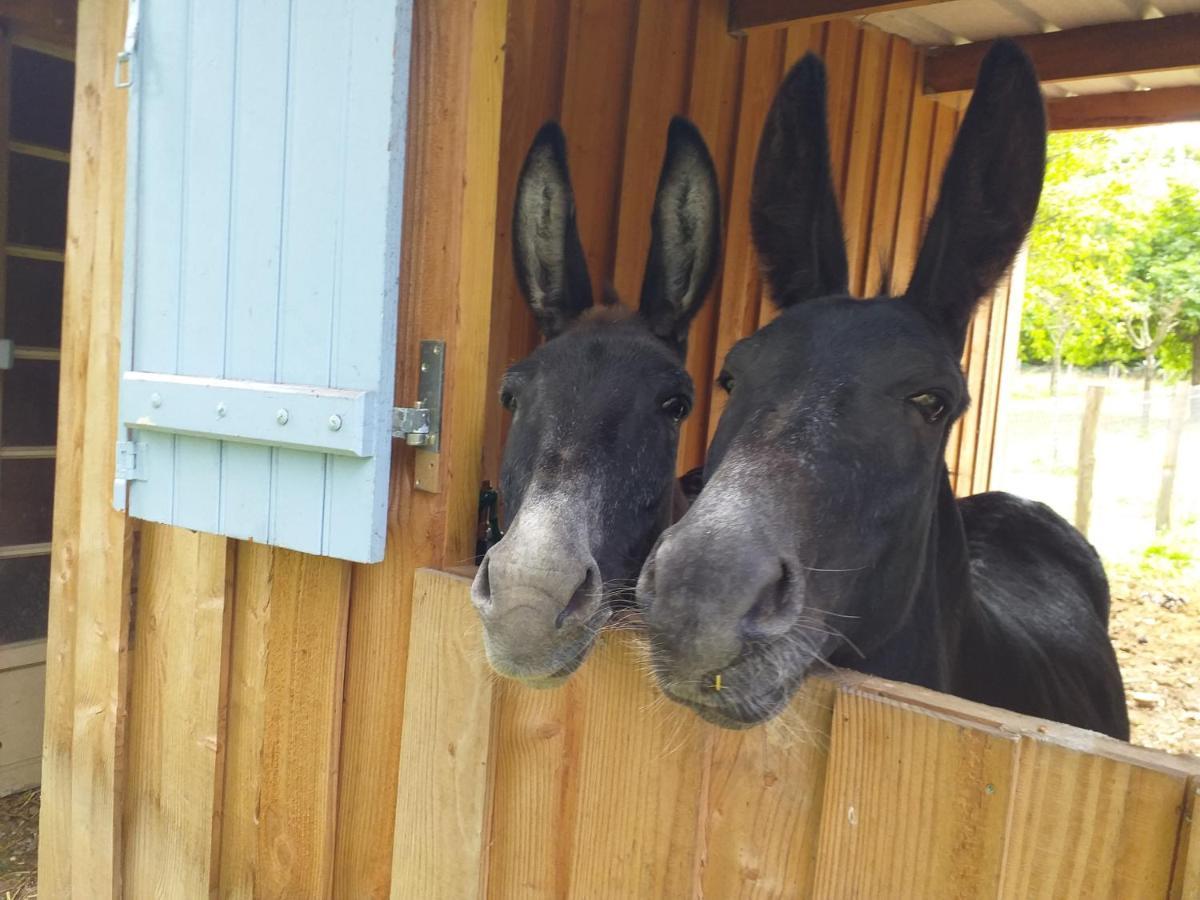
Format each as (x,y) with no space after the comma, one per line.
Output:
(266,150)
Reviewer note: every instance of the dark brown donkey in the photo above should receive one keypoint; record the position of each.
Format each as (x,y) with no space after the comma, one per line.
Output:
(827,530)
(588,477)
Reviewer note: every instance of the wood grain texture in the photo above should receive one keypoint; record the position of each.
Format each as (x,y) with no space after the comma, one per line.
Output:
(1185,881)
(440,804)
(1115,48)
(1127,109)
(1087,826)
(915,804)
(304,656)
(175,740)
(863,153)
(745,15)
(80,836)
(765,799)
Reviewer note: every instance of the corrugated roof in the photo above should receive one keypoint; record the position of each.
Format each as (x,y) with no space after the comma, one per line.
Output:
(966,21)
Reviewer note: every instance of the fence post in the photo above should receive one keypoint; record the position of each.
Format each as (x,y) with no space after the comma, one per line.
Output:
(1179,414)
(1087,456)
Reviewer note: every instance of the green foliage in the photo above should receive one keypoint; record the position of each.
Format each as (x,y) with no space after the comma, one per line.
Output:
(1112,255)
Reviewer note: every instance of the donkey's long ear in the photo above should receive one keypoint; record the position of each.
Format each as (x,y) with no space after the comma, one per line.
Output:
(551,268)
(793,209)
(989,193)
(685,236)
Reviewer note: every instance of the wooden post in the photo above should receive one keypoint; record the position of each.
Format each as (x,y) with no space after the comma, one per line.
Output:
(1179,415)
(1087,456)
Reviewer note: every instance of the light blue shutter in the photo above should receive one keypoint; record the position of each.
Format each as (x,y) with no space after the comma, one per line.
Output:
(266,151)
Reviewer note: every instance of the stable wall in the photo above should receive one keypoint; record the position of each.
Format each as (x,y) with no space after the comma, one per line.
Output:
(229,717)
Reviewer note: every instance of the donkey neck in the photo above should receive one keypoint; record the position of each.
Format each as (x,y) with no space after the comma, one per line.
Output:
(924,649)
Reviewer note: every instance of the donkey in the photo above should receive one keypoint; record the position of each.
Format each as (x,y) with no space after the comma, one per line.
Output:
(826,531)
(587,476)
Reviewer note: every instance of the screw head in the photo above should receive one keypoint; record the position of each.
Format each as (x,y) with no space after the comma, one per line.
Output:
(424,367)
(335,423)
(281,416)
(156,400)
(220,410)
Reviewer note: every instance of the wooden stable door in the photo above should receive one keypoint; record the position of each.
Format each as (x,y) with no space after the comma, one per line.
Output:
(36,84)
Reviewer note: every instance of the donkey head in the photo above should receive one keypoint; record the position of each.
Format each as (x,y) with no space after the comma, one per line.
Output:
(588,471)
(811,533)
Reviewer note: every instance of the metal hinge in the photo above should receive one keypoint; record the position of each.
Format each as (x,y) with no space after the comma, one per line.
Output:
(131,460)
(123,75)
(420,425)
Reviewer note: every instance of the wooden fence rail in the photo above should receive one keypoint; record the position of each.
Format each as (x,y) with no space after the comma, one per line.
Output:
(865,788)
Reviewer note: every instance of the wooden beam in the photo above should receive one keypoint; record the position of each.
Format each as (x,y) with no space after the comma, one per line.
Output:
(1117,48)
(1125,109)
(746,15)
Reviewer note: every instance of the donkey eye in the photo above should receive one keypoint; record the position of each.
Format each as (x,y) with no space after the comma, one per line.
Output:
(677,407)
(931,406)
(725,381)
(508,401)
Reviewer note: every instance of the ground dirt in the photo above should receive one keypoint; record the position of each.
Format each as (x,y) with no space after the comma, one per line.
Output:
(18,845)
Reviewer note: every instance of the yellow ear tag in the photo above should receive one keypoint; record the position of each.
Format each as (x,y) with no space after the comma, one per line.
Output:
(717,683)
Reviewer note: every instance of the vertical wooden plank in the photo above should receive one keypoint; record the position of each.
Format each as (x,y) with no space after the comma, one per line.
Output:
(1009,365)
(255,233)
(535,47)
(842,43)
(204,242)
(910,217)
(449,227)
(634,828)
(765,797)
(176,691)
(444,756)
(740,281)
(915,805)
(246,717)
(80,834)
(858,193)
(657,91)
(1185,881)
(974,367)
(304,640)
(1087,825)
(713,103)
(596,80)
(889,180)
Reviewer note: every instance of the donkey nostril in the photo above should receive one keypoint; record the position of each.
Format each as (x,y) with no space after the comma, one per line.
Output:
(578,606)
(775,610)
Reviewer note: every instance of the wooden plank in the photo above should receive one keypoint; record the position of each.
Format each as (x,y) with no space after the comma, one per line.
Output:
(842,43)
(600,39)
(915,804)
(764,802)
(1185,881)
(1127,109)
(246,717)
(889,181)
(656,800)
(85,685)
(713,100)
(975,368)
(175,743)
(444,756)
(1091,51)
(1006,350)
(741,283)
(658,90)
(747,15)
(862,166)
(304,644)
(1084,825)
(460,50)
(535,47)
(910,217)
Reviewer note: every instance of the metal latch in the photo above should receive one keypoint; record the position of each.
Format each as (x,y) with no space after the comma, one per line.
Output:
(131,460)
(123,75)
(7,353)
(420,425)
